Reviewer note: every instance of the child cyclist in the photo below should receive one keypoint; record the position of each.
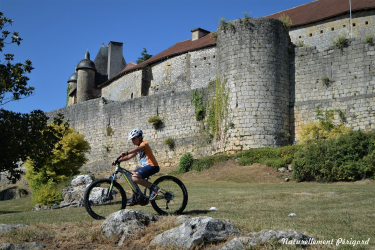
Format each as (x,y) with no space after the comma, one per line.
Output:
(148,163)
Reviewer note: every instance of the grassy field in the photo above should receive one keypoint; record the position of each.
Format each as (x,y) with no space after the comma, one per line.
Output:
(252,197)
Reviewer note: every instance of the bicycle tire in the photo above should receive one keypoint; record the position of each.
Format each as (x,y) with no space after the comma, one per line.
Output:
(172,198)
(95,199)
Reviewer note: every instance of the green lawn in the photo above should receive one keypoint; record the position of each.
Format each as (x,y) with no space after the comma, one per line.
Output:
(325,211)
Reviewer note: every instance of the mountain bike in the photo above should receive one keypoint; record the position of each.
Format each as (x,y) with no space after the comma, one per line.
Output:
(106,196)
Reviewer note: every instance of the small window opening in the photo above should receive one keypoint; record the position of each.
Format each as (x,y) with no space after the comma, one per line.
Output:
(353,24)
(321,32)
(131,96)
(300,37)
(204,58)
(366,22)
(213,57)
(332,29)
(344,26)
(310,34)
(195,66)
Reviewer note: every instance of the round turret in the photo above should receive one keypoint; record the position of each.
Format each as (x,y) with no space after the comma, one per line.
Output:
(253,59)
(86,79)
(73,77)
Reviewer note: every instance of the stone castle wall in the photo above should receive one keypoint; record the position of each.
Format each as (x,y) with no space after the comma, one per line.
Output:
(351,88)
(321,34)
(191,70)
(106,125)
(273,89)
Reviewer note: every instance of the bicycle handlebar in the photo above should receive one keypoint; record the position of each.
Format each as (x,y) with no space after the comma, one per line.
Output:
(116,162)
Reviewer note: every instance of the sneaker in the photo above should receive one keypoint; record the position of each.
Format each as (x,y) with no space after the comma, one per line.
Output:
(154,192)
(131,202)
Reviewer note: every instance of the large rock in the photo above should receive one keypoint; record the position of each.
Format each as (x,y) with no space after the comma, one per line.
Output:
(126,222)
(24,246)
(10,227)
(256,238)
(196,231)
(75,192)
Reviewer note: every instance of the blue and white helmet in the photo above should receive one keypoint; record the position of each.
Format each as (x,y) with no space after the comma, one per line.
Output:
(134,133)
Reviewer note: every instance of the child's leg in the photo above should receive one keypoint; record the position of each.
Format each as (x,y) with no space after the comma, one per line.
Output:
(140,174)
(137,178)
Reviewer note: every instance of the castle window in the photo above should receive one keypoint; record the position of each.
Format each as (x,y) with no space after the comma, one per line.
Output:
(300,37)
(344,26)
(366,22)
(213,57)
(204,58)
(332,29)
(131,96)
(353,24)
(321,32)
(310,34)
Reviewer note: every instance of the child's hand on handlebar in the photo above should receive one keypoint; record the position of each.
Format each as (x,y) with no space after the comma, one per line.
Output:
(124,154)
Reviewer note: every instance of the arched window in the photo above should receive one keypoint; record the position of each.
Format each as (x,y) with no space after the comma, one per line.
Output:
(131,96)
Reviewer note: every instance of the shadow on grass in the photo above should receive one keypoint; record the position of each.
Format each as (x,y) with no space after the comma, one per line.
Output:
(196,212)
(10,212)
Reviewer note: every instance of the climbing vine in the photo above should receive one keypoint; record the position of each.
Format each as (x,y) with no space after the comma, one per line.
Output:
(200,108)
(67,94)
(218,108)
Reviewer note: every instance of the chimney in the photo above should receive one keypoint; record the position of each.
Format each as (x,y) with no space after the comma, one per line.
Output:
(116,61)
(198,33)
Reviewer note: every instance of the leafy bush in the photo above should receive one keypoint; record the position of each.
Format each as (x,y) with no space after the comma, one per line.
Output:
(369,39)
(348,157)
(341,42)
(314,131)
(67,157)
(324,129)
(155,120)
(169,142)
(287,21)
(272,157)
(186,161)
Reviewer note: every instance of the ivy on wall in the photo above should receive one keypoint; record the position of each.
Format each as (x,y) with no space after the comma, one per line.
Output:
(218,108)
(200,108)
(67,94)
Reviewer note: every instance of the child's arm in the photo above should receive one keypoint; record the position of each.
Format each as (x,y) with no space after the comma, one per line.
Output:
(131,153)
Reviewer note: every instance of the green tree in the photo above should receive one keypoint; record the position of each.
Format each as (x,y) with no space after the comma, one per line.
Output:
(68,155)
(144,56)
(12,76)
(21,135)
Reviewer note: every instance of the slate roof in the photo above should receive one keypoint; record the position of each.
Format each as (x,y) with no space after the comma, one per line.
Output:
(322,9)
(177,49)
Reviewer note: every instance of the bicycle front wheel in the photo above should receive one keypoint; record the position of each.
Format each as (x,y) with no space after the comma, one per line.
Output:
(172,198)
(101,199)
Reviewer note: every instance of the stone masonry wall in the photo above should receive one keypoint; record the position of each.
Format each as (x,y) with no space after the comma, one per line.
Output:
(253,58)
(351,88)
(191,70)
(106,125)
(125,88)
(321,34)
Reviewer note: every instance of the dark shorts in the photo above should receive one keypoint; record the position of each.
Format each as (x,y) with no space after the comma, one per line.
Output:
(147,171)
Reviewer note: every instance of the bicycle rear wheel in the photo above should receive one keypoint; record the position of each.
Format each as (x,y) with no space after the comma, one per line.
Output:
(172,198)
(97,201)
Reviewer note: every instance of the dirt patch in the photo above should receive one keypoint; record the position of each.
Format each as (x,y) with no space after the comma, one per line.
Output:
(231,171)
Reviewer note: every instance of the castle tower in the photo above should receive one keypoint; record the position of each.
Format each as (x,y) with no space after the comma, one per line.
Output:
(72,81)
(86,79)
(252,56)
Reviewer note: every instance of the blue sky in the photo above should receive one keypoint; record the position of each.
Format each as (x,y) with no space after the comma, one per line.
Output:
(57,33)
